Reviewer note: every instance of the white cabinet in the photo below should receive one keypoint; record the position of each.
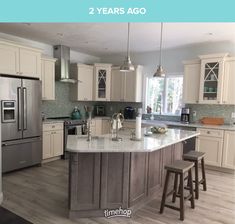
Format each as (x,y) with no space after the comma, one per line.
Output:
(83,90)
(53,140)
(9,59)
(191,81)
(211,142)
(30,63)
(19,60)
(102,82)
(229,81)
(100,126)
(229,150)
(212,77)
(127,87)
(48,78)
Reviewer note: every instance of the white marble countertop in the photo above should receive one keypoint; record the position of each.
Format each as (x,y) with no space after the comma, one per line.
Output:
(179,124)
(104,143)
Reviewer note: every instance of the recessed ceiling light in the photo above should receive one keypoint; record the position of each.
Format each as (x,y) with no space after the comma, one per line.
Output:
(210,34)
(27,24)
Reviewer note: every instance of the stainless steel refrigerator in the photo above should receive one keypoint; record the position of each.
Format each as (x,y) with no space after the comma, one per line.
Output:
(21,122)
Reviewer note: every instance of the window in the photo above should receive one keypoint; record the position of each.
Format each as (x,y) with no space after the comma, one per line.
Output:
(164,95)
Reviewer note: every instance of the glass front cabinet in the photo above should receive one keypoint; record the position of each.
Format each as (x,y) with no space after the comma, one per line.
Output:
(211,81)
(102,82)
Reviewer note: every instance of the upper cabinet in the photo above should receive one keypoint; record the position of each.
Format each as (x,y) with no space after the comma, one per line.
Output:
(191,81)
(82,90)
(127,87)
(48,78)
(229,81)
(19,60)
(212,76)
(102,82)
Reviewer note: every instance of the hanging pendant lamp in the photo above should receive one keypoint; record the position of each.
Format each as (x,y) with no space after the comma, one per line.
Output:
(127,66)
(160,71)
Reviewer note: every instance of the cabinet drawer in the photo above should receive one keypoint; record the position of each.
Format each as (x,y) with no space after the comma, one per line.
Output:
(211,132)
(53,126)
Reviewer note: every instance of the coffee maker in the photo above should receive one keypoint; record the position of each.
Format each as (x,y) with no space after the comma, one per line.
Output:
(185,115)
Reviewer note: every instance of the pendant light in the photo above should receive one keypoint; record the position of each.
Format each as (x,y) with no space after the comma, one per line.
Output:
(160,71)
(127,66)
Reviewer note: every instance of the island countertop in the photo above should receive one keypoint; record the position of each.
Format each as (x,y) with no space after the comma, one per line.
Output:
(104,143)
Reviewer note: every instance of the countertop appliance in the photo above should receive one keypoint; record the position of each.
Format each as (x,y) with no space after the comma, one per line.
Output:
(100,110)
(185,115)
(21,122)
(71,127)
(129,113)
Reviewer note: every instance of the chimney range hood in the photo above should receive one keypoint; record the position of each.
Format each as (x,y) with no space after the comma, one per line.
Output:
(62,65)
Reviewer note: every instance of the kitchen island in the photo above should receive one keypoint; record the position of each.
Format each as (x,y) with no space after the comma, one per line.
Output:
(104,174)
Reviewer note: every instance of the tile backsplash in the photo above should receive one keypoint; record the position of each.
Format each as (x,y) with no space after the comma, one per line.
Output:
(62,106)
(205,110)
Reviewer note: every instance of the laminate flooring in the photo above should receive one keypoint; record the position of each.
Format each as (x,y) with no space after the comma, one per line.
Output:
(39,195)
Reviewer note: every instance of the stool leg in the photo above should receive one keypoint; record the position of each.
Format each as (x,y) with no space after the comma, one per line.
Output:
(203,175)
(164,192)
(175,188)
(196,181)
(190,181)
(181,196)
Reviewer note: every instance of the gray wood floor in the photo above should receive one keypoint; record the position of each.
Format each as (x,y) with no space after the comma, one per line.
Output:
(39,195)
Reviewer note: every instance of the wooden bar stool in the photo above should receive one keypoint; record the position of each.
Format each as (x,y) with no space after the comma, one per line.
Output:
(197,157)
(179,168)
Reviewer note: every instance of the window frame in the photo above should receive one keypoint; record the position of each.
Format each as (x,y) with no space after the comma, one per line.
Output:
(164,94)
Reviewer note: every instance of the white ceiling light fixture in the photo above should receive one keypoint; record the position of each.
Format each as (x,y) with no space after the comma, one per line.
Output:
(160,71)
(127,66)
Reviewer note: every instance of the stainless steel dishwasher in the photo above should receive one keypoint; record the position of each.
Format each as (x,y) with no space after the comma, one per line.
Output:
(189,144)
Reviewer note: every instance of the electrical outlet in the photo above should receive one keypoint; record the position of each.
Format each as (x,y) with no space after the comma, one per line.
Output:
(194,113)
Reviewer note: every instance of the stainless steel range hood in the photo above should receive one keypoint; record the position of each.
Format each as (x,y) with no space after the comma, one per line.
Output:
(62,66)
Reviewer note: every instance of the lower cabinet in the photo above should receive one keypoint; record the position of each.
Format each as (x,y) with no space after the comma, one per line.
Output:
(228,160)
(138,177)
(53,140)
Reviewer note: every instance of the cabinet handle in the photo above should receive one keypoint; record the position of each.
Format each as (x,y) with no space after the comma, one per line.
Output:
(197,101)
(53,126)
(208,132)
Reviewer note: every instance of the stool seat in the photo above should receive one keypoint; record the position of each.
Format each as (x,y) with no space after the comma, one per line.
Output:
(179,166)
(193,155)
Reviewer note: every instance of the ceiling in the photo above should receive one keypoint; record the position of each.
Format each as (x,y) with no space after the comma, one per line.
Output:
(108,38)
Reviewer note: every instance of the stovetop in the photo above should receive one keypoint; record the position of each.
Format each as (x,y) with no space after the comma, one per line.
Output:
(68,120)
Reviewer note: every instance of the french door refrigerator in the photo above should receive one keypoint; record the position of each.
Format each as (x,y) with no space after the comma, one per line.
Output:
(21,122)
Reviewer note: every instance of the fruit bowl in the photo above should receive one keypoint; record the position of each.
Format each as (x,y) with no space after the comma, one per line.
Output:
(159,130)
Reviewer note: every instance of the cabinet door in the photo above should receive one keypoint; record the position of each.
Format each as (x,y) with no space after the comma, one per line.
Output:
(138,177)
(84,181)
(47,145)
(212,147)
(106,126)
(85,83)
(48,80)
(133,85)
(9,59)
(117,85)
(228,150)
(191,83)
(102,83)
(154,171)
(30,63)
(229,81)
(58,143)
(211,81)
(114,180)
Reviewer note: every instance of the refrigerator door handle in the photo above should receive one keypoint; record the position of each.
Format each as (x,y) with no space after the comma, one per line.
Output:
(25,107)
(19,108)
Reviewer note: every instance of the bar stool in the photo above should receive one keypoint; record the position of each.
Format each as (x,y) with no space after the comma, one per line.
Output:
(197,157)
(178,168)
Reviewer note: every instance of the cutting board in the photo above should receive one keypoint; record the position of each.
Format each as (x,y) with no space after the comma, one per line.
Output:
(212,120)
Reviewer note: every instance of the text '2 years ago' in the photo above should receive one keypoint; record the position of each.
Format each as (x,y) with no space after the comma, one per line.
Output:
(117,11)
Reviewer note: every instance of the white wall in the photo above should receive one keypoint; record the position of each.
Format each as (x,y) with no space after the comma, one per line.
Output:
(48,49)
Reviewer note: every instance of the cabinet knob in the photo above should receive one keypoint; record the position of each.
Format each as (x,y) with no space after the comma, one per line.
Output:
(53,126)
(208,132)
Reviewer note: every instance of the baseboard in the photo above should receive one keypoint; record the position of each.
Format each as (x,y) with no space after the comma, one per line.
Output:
(51,159)
(1,198)
(220,169)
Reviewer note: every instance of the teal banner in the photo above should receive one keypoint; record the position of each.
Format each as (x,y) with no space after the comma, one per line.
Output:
(117,11)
